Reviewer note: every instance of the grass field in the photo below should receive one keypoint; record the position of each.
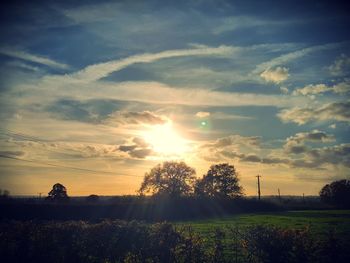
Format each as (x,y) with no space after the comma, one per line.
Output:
(320,222)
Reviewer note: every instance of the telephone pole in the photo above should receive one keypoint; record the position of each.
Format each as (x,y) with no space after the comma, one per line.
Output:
(279,195)
(258,176)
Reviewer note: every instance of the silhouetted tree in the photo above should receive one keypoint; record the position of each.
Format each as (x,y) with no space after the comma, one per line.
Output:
(4,194)
(337,193)
(58,193)
(92,198)
(169,179)
(220,181)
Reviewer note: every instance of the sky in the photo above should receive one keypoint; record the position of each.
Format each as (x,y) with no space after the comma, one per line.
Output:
(93,94)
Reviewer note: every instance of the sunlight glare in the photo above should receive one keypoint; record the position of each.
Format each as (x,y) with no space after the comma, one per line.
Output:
(165,140)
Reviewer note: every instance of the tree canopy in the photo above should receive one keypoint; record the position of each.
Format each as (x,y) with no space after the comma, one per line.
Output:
(58,193)
(221,181)
(169,179)
(337,193)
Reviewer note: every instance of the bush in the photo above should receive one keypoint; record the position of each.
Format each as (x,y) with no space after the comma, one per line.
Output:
(107,241)
(120,241)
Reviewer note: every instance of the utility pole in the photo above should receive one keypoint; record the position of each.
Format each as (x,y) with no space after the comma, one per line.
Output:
(258,176)
(39,195)
(279,194)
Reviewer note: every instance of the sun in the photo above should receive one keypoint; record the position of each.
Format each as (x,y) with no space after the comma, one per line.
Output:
(165,140)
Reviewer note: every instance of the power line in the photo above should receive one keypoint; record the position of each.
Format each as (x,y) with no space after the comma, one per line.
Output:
(37,140)
(60,166)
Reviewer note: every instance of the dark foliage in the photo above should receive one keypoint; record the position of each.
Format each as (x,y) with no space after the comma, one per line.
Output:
(221,181)
(336,193)
(139,208)
(108,241)
(58,193)
(172,179)
(92,198)
(120,241)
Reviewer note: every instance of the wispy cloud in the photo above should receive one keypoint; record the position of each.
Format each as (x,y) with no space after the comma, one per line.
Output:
(101,70)
(284,59)
(339,111)
(20,54)
(145,92)
(340,88)
(341,66)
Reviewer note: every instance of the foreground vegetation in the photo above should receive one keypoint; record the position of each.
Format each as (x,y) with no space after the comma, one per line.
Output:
(121,241)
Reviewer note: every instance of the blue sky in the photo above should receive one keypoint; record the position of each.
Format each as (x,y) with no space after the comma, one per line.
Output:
(94,94)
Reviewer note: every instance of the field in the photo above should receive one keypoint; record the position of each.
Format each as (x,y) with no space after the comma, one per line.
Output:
(320,222)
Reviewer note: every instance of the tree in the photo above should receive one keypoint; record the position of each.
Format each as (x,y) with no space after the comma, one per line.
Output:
(58,193)
(169,179)
(337,193)
(5,194)
(220,181)
(92,198)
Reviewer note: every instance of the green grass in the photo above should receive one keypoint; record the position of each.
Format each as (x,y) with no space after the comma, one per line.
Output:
(319,222)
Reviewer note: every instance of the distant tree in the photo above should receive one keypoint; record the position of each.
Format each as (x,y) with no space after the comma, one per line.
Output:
(4,194)
(169,179)
(220,181)
(92,198)
(58,193)
(337,193)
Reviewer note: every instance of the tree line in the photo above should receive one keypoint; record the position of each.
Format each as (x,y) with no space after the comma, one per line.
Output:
(176,179)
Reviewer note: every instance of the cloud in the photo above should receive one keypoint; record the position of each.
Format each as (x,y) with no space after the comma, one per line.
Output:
(339,111)
(11,153)
(140,149)
(284,90)
(319,157)
(58,149)
(295,144)
(141,153)
(57,87)
(313,136)
(101,70)
(341,66)
(340,88)
(129,117)
(234,140)
(284,59)
(337,154)
(228,116)
(202,114)
(276,75)
(295,148)
(311,89)
(32,58)
(127,148)
(251,157)
(343,87)
(232,23)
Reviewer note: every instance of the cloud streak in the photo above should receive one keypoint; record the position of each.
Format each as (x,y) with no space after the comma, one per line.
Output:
(32,58)
(340,88)
(101,70)
(283,59)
